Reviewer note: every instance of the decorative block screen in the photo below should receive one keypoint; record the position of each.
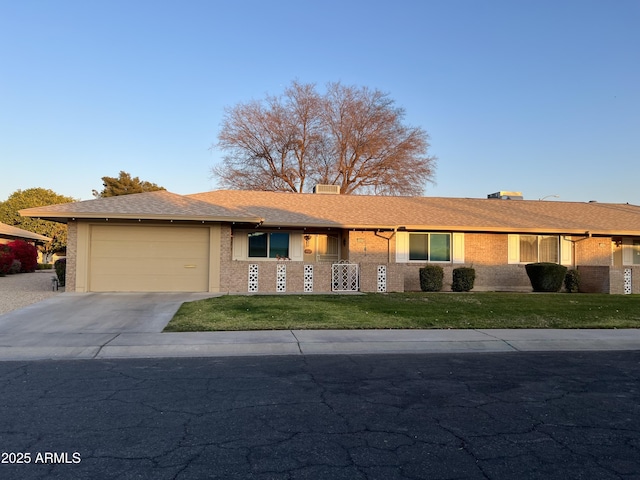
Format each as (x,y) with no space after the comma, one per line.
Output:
(281,278)
(308,278)
(253,278)
(627,282)
(382,278)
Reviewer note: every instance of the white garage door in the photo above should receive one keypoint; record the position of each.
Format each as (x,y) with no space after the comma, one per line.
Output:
(132,258)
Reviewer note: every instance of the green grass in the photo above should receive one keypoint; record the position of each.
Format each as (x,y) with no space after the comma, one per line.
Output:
(408,310)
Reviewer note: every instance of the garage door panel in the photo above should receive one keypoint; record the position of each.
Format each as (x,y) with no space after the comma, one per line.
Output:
(165,267)
(136,258)
(154,283)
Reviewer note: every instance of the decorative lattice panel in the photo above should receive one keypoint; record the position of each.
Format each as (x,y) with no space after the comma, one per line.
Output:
(382,278)
(345,277)
(253,278)
(627,281)
(281,278)
(308,278)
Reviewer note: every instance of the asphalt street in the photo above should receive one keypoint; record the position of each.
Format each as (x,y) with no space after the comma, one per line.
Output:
(549,415)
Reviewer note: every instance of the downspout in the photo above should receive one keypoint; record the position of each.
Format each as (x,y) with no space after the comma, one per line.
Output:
(573,246)
(388,239)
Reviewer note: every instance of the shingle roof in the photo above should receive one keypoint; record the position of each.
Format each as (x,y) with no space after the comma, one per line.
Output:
(159,205)
(360,211)
(9,231)
(456,214)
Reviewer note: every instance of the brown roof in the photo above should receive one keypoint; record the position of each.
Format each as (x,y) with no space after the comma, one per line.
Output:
(360,211)
(159,205)
(436,213)
(9,231)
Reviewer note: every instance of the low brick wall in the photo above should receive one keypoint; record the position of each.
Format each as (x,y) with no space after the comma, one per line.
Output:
(406,277)
(594,279)
(399,277)
(237,274)
(617,279)
(506,278)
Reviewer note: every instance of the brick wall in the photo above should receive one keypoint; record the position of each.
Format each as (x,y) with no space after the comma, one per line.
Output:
(606,279)
(487,253)
(594,278)
(488,277)
(225,259)
(394,277)
(72,255)
(367,247)
(592,251)
(616,279)
(486,249)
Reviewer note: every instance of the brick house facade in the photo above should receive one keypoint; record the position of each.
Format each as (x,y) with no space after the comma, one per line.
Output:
(267,242)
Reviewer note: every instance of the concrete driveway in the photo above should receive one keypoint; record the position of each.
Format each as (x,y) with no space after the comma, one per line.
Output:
(97,313)
(78,325)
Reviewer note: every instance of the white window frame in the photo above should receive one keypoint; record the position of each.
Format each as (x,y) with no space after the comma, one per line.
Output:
(630,251)
(565,249)
(240,245)
(456,248)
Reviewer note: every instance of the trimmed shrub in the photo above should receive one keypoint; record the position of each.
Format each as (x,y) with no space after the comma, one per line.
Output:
(61,270)
(26,253)
(572,281)
(45,266)
(463,278)
(431,278)
(546,276)
(6,260)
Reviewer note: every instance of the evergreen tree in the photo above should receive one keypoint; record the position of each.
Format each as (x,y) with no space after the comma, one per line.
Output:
(124,185)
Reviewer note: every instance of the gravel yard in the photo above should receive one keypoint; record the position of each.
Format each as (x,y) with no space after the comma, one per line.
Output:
(17,291)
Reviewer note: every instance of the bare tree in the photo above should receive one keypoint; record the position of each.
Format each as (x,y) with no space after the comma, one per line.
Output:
(352,137)
(269,144)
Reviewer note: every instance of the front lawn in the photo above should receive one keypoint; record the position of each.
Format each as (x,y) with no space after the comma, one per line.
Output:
(408,310)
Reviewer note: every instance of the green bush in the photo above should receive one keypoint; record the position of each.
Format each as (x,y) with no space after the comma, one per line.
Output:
(572,281)
(545,276)
(45,266)
(61,270)
(463,278)
(431,278)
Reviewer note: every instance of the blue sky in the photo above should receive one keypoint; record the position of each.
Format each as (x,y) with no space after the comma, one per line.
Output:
(538,96)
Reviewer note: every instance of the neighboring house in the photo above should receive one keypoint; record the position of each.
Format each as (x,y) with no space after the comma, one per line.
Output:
(9,233)
(247,241)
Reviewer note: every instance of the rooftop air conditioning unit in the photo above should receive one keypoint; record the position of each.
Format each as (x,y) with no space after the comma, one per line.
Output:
(503,195)
(327,189)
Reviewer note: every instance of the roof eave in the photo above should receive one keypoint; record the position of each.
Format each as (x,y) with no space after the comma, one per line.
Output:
(457,228)
(65,217)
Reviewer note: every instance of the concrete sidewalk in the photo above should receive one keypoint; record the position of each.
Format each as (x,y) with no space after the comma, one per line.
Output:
(307,342)
(129,325)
